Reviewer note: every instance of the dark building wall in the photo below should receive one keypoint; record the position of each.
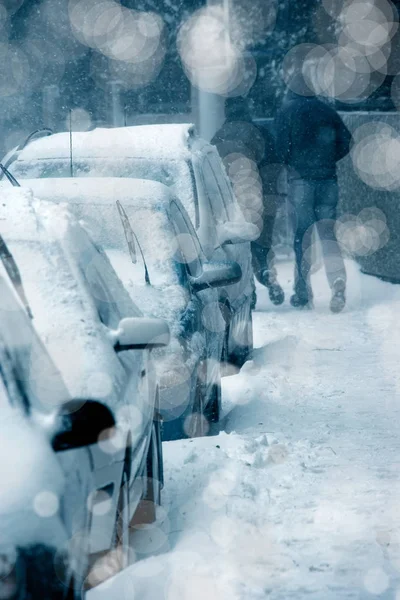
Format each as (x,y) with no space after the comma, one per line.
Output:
(47,71)
(306,21)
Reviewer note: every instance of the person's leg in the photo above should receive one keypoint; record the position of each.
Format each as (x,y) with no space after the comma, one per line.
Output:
(327,196)
(262,252)
(263,256)
(301,195)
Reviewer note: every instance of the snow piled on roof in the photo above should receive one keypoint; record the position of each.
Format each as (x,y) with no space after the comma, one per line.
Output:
(161,141)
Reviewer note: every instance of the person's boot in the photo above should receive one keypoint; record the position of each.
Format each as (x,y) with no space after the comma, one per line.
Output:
(276,293)
(302,297)
(300,301)
(338,300)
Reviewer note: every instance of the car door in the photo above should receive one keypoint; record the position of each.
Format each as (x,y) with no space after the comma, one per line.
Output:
(224,209)
(131,405)
(207,320)
(35,386)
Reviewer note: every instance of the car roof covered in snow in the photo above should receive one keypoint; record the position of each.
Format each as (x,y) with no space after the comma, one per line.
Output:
(165,141)
(57,262)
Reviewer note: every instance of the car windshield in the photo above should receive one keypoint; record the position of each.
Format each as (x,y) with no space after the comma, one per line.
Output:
(165,296)
(177,174)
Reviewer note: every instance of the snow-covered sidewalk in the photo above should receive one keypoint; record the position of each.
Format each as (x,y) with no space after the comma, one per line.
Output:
(300,496)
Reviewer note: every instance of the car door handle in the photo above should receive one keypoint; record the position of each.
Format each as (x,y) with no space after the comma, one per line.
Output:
(143,373)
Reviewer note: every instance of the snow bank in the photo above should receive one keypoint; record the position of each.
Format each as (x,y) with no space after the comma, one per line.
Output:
(299,497)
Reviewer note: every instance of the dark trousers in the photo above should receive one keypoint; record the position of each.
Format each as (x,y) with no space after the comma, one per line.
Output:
(315,203)
(263,256)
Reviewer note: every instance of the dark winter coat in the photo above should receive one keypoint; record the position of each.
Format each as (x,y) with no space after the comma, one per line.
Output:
(239,135)
(310,137)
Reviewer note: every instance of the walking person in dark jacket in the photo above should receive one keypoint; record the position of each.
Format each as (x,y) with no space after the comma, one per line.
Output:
(311,139)
(239,136)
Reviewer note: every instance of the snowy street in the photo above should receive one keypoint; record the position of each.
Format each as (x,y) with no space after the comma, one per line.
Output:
(167,433)
(298,498)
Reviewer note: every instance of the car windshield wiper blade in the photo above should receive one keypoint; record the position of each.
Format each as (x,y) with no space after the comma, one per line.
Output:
(130,237)
(13,272)
(9,176)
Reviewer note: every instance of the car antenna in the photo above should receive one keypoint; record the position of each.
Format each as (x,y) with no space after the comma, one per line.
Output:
(9,176)
(13,272)
(130,237)
(71,164)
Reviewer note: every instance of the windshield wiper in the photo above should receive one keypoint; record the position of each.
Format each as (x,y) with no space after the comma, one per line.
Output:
(130,237)
(9,176)
(13,272)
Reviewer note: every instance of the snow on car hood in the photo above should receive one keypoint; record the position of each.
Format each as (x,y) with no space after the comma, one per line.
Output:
(39,235)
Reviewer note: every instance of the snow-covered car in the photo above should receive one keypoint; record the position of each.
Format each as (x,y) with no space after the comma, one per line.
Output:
(104,418)
(168,276)
(174,155)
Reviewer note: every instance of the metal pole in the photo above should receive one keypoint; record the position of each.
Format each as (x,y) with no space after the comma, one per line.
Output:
(71,165)
(116,117)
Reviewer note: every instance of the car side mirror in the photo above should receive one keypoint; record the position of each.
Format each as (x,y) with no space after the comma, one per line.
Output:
(216,275)
(80,423)
(236,232)
(139,333)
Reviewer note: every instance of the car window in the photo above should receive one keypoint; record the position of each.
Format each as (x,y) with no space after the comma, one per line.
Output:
(213,191)
(94,271)
(188,249)
(105,304)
